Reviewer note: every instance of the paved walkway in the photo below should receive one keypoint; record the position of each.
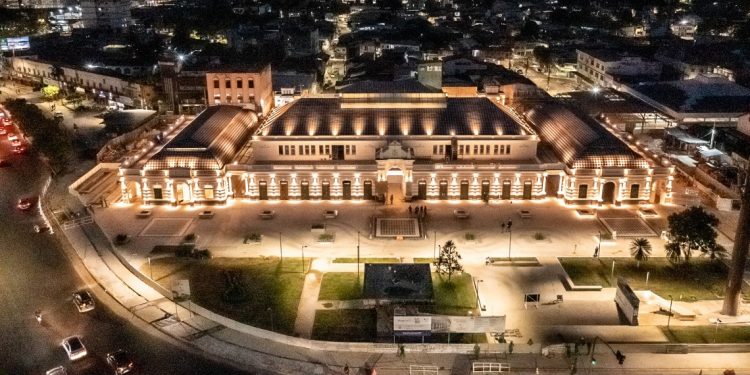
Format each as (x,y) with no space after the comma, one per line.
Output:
(303,326)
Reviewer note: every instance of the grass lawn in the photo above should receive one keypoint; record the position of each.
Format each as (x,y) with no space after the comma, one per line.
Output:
(345,325)
(702,279)
(424,260)
(341,286)
(455,298)
(272,289)
(705,334)
(367,260)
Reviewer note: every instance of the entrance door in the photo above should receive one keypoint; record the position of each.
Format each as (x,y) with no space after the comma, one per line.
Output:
(608,192)
(158,193)
(422,190)
(506,190)
(464,189)
(284,190)
(347,186)
(326,190)
(443,189)
(368,189)
(527,190)
(485,190)
(305,190)
(263,190)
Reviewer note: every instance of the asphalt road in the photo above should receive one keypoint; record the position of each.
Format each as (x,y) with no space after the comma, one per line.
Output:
(35,274)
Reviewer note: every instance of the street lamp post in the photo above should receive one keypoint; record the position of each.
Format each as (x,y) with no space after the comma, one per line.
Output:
(716,331)
(358,256)
(150,270)
(434,246)
(510,236)
(270,313)
(281,250)
(669,317)
(303,258)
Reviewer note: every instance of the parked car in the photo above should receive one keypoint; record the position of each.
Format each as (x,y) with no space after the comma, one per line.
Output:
(267,214)
(4,163)
(83,301)
(3,130)
(12,137)
(331,214)
(59,370)
(59,115)
(19,150)
(120,361)
(74,348)
(24,204)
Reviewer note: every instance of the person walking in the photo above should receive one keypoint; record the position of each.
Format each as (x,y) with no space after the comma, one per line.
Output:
(391,199)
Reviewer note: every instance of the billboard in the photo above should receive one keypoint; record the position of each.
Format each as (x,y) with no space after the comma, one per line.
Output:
(627,302)
(15,44)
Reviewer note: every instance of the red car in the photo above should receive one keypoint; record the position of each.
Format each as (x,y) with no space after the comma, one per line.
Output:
(24,204)
(15,142)
(19,150)
(3,131)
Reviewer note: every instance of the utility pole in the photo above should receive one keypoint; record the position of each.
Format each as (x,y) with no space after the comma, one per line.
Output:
(281,250)
(303,258)
(434,246)
(510,236)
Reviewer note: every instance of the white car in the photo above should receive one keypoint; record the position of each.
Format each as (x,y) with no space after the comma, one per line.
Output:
(74,348)
(331,214)
(267,214)
(59,370)
(83,301)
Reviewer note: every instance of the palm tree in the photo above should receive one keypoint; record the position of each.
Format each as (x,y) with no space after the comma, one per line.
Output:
(640,249)
(717,252)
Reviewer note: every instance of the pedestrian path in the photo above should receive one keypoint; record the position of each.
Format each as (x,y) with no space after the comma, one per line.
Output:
(303,325)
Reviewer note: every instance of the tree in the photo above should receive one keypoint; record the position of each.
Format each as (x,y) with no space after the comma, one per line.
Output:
(739,254)
(50,92)
(448,261)
(640,249)
(690,230)
(543,56)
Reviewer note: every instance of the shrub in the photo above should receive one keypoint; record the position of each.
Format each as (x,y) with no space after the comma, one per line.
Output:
(121,239)
(202,254)
(539,236)
(190,237)
(470,236)
(326,237)
(253,237)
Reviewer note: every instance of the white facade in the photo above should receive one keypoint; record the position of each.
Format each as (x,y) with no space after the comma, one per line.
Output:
(602,70)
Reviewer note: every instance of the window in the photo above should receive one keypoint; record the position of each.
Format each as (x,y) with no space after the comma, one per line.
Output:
(292,149)
(507,150)
(347,150)
(229,99)
(476,149)
(239,83)
(208,192)
(300,149)
(434,149)
(321,150)
(354,150)
(281,150)
(228,84)
(286,150)
(328,150)
(312,149)
(250,84)
(635,191)
(216,83)
(239,99)
(497,148)
(583,191)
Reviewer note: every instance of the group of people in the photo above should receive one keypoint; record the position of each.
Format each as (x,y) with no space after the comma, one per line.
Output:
(507,225)
(419,211)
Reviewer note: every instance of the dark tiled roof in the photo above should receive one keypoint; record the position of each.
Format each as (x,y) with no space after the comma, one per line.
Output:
(581,142)
(407,86)
(209,142)
(699,95)
(325,117)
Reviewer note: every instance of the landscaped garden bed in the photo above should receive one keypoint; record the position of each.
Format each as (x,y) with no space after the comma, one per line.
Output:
(262,292)
(702,279)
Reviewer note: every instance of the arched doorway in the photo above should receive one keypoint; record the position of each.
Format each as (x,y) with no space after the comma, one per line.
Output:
(608,193)
(464,191)
(183,193)
(395,179)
